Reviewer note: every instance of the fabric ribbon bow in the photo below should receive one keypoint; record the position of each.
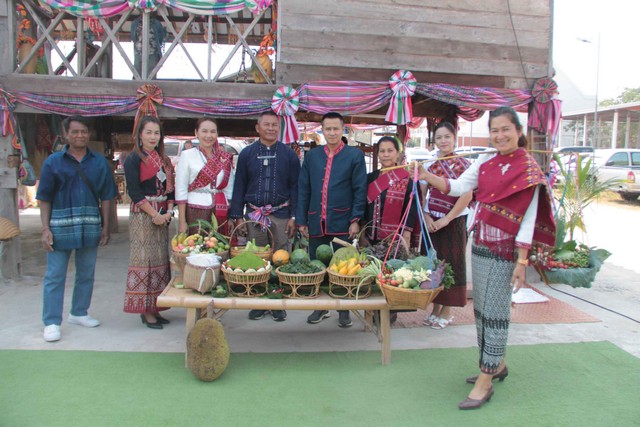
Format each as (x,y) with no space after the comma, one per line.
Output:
(149,5)
(257,6)
(546,113)
(285,103)
(261,215)
(403,84)
(147,95)
(7,119)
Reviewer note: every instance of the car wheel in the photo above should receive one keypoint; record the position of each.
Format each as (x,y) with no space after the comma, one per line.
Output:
(629,197)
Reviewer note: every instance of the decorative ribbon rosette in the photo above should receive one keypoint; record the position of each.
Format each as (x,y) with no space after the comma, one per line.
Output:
(546,114)
(147,95)
(149,5)
(544,90)
(257,6)
(285,103)
(403,85)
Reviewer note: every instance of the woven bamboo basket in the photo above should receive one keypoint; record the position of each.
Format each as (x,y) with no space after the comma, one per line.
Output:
(8,229)
(409,298)
(180,259)
(246,284)
(265,255)
(201,279)
(300,285)
(343,286)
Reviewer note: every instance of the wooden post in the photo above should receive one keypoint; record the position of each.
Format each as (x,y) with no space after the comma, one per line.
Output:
(11,257)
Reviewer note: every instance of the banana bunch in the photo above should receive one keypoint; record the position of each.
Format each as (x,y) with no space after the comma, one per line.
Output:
(180,241)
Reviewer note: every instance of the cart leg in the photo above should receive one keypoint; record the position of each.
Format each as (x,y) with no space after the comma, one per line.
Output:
(193,314)
(385,332)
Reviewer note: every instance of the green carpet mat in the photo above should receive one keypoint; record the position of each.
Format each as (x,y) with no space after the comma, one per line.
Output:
(584,384)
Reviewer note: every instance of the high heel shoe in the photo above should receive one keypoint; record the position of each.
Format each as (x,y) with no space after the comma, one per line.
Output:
(469,403)
(498,376)
(154,325)
(162,320)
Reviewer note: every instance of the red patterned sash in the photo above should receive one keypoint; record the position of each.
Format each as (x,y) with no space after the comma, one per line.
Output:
(219,161)
(452,169)
(152,164)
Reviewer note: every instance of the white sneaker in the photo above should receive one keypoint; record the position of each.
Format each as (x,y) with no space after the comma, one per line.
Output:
(86,321)
(51,333)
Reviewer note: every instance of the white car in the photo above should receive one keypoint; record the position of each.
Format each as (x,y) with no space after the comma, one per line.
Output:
(417,154)
(471,151)
(174,147)
(622,166)
(567,156)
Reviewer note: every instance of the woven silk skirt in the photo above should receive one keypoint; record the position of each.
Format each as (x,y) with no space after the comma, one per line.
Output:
(450,244)
(194,214)
(149,269)
(491,305)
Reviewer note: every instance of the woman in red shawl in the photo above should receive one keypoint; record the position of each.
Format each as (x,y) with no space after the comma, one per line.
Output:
(445,217)
(150,186)
(388,195)
(513,212)
(204,179)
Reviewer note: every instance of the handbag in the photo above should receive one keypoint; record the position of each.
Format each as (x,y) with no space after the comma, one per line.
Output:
(26,173)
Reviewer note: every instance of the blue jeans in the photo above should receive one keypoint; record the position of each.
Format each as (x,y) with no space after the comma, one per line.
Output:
(54,283)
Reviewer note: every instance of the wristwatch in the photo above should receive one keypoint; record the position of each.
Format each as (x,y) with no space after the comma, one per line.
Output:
(524,262)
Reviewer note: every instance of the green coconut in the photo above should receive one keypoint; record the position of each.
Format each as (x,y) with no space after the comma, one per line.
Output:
(207,350)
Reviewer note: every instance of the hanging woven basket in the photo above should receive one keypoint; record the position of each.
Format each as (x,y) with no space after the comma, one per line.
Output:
(8,229)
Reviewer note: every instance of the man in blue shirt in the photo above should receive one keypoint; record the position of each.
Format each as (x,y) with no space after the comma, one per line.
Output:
(266,182)
(332,195)
(72,182)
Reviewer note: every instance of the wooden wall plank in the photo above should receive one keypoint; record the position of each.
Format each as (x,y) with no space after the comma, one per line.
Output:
(323,25)
(412,46)
(359,59)
(478,16)
(529,7)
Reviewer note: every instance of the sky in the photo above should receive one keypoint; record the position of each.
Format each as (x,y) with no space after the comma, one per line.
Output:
(616,21)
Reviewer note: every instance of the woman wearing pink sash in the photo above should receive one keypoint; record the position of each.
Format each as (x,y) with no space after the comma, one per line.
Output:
(445,217)
(204,179)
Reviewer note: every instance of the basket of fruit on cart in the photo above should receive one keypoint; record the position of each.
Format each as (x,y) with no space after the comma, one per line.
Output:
(246,275)
(298,276)
(207,240)
(345,280)
(264,252)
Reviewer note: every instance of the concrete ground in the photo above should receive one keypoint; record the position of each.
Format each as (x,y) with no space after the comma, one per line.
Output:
(617,288)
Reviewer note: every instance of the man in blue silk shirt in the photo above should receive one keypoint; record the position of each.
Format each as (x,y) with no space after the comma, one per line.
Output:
(72,184)
(332,195)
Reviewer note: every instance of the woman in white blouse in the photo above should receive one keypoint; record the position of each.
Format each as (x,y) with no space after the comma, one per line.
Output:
(204,179)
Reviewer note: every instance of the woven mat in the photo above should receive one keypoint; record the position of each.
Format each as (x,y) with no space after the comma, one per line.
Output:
(553,311)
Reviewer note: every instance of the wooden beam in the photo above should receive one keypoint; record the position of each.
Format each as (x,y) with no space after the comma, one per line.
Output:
(38,83)
(298,74)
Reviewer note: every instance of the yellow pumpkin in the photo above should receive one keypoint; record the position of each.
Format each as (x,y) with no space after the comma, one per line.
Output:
(280,257)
